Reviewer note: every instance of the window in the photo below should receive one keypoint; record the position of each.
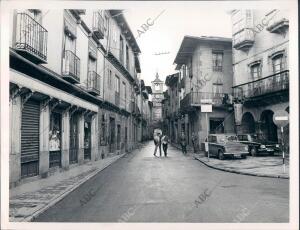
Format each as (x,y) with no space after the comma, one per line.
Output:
(114,32)
(105,24)
(255,71)
(278,63)
(103,131)
(217,89)
(92,65)
(124,92)
(109,80)
(127,57)
(36,15)
(69,43)
(117,84)
(217,59)
(121,50)
(213,139)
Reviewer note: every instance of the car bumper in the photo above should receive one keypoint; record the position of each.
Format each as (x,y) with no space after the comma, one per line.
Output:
(237,154)
(266,150)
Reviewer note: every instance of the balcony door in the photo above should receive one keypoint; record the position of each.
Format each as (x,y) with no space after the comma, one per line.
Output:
(278,66)
(92,81)
(257,87)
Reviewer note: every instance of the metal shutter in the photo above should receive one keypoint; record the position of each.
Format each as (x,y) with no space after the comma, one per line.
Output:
(30,139)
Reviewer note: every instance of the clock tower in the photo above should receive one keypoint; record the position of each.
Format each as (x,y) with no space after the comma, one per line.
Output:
(157,97)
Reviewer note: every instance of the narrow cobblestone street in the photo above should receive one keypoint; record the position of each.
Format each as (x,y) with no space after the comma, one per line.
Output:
(142,188)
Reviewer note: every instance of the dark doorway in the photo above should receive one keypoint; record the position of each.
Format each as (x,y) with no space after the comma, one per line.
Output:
(248,123)
(55,140)
(87,139)
(118,137)
(268,128)
(112,125)
(126,139)
(216,125)
(73,152)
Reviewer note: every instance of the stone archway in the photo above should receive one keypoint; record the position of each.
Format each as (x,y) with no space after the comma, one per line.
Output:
(248,123)
(267,127)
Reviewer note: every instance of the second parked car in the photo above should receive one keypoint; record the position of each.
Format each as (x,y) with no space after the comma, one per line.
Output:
(258,145)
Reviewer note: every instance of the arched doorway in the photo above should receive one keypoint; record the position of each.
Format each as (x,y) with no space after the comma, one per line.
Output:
(268,128)
(248,123)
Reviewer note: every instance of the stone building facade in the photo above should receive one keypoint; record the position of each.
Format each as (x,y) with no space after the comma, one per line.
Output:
(73,87)
(205,66)
(261,70)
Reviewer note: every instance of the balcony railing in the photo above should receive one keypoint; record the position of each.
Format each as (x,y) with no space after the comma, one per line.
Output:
(98,25)
(270,84)
(195,99)
(243,40)
(31,39)
(71,67)
(93,83)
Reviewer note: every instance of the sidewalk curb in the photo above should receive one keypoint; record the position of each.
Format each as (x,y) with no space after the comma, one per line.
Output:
(242,173)
(65,193)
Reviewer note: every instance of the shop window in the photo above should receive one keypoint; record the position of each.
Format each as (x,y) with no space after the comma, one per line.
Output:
(55,140)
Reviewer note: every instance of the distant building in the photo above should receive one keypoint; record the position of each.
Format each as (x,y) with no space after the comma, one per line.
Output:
(157,97)
(172,106)
(261,70)
(205,65)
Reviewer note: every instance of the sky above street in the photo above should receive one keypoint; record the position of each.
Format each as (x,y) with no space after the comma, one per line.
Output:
(166,33)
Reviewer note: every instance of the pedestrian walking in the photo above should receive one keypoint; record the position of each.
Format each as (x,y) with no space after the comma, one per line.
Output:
(165,141)
(183,143)
(157,143)
(194,141)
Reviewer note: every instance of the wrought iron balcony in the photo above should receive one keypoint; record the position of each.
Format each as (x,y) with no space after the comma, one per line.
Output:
(98,25)
(71,67)
(31,39)
(243,40)
(195,99)
(93,83)
(268,85)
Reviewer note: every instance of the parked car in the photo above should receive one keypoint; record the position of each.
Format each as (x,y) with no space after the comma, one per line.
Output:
(223,145)
(258,145)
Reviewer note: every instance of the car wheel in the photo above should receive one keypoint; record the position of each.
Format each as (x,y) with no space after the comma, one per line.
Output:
(221,154)
(244,156)
(253,151)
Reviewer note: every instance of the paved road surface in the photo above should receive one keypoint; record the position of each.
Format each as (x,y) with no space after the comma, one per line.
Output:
(142,188)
